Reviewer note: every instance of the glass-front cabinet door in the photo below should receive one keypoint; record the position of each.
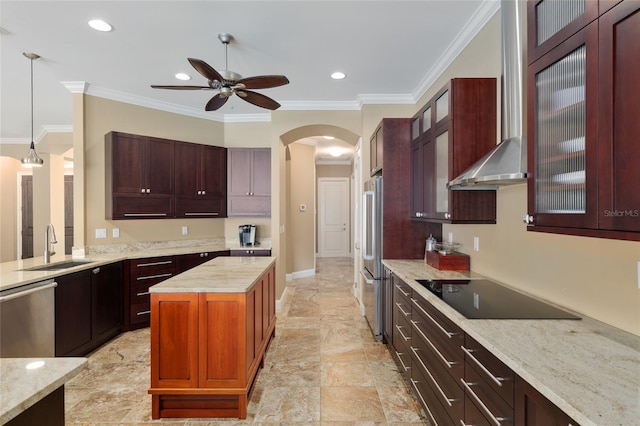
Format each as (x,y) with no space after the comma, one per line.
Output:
(442,175)
(562,156)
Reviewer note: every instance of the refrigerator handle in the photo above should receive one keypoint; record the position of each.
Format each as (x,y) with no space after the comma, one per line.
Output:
(368,278)
(368,236)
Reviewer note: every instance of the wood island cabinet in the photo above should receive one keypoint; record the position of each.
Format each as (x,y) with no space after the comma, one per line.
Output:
(583,103)
(88,309)
(140,177)
(249,182)
(201,180)
(206,349)
(449,134)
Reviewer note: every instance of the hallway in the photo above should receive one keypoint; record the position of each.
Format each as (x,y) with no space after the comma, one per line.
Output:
(322,368)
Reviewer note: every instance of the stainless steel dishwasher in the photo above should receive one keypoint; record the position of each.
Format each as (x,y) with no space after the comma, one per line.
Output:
(27,316)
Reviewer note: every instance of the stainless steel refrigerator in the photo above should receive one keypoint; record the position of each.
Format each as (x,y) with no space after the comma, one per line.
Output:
(372,254)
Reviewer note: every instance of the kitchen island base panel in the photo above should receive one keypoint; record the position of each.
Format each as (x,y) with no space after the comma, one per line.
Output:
(199,406)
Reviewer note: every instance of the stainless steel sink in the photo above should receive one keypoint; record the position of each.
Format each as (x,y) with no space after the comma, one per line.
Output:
(59,265)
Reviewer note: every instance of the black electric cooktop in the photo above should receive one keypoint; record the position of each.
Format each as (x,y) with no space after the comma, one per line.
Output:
(485,299)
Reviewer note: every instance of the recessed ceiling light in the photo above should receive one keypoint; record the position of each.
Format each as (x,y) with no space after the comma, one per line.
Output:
(100,25)
(328,137)
(338,75)
(335,151)
(183,76)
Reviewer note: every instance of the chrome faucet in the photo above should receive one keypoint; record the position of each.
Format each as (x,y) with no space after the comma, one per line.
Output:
(49,241)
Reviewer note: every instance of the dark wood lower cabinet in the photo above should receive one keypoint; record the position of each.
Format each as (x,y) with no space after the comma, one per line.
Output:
(88,309)
(457,380)
(49,411)
(533,409)
(184,262)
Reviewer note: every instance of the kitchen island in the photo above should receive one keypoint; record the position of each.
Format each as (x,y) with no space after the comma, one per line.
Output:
(32,389)
(210,330)
(587,369)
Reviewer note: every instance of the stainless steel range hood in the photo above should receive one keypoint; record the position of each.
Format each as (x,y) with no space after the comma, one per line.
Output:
(506,164)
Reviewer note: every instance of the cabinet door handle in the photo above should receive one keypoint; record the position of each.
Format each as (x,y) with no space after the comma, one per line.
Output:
(399,306)
(442,358)
(399,355)
(143,313)
(165,262)
(95,271)
(528,219)
(144,293)
(148,190)
(496,420)
(150,277)
(203,192)
(201,214)
(447,333)
(404,293)
(142,191)
(143,214)
(447,400)
(406,339)
(447,215)
(497,380)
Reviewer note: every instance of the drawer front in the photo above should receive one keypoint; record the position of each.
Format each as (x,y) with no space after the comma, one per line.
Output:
(250,252)
(495,373)
(437,324)
(401,289)
(447,389)
(430,401)
(492,406)
(140,313)
(402,342)
(425,338)
(151,266)
(473,416)
(139,292)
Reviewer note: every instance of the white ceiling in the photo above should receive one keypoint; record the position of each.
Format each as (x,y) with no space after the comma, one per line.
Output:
(391,52)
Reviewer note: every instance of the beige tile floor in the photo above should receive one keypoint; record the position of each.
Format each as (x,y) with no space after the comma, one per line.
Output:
(322,368)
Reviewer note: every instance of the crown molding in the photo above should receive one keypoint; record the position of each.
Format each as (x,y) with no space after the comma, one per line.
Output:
(58,128)
(320,105)
(482,16)
(387,99)
(75,86)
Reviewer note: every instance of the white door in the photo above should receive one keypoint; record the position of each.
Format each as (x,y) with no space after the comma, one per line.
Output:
(333,230)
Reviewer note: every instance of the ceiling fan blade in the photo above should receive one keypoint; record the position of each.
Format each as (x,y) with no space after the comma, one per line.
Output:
(258,99)
(216,102)
(156,86)
(205,69)
(263,81)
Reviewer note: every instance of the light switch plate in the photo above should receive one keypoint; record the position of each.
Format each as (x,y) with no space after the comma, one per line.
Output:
(450,237)
(476,243)
(185,230)
(115,233)
(101,233)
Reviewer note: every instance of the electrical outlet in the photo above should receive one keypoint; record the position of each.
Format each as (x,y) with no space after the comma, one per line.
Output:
(450,237)
(115,233)
(638,274)
(476,243)
(282,229)
(101,233)
(185,230)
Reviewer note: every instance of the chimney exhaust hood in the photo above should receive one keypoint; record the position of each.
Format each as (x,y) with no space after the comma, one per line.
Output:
(506,164)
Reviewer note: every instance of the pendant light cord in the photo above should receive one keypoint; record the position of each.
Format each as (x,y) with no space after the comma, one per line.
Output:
(31,101)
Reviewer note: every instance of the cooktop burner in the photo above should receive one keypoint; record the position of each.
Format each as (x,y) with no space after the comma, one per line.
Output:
(485,299)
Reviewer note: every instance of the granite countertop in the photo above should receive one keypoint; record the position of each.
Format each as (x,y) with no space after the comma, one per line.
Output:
(12,273)
(220,275)
(21,387)
(588,369)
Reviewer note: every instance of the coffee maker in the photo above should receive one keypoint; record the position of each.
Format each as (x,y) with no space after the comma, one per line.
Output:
(247,235)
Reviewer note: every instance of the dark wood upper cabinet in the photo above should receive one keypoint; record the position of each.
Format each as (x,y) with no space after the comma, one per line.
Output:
(376,150)
(140,177)
(201,180)
(450,133)
(583,104)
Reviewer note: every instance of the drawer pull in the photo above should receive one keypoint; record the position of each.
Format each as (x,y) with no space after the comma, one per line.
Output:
(447,400)
(165,262)
(143,214)
(402,334)
(447,333)
(143,313)
(414,383)
(497,380)
(144,293)
(470,392)
(399,306)
(444,360)
(399,355)
(202,214)
(150,277)
(402,290)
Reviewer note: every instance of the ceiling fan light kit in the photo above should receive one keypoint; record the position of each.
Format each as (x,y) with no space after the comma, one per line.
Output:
(228,82)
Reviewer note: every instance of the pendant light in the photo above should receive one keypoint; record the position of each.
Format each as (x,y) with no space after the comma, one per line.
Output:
(32,159)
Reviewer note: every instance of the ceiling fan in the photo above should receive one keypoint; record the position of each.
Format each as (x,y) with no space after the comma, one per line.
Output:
(228,82)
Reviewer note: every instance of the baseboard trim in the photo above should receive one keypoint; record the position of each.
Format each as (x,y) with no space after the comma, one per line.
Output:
(303,274)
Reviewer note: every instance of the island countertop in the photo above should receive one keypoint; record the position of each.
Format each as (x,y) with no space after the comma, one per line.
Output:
(587,368)
(22,387)
(220,275)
